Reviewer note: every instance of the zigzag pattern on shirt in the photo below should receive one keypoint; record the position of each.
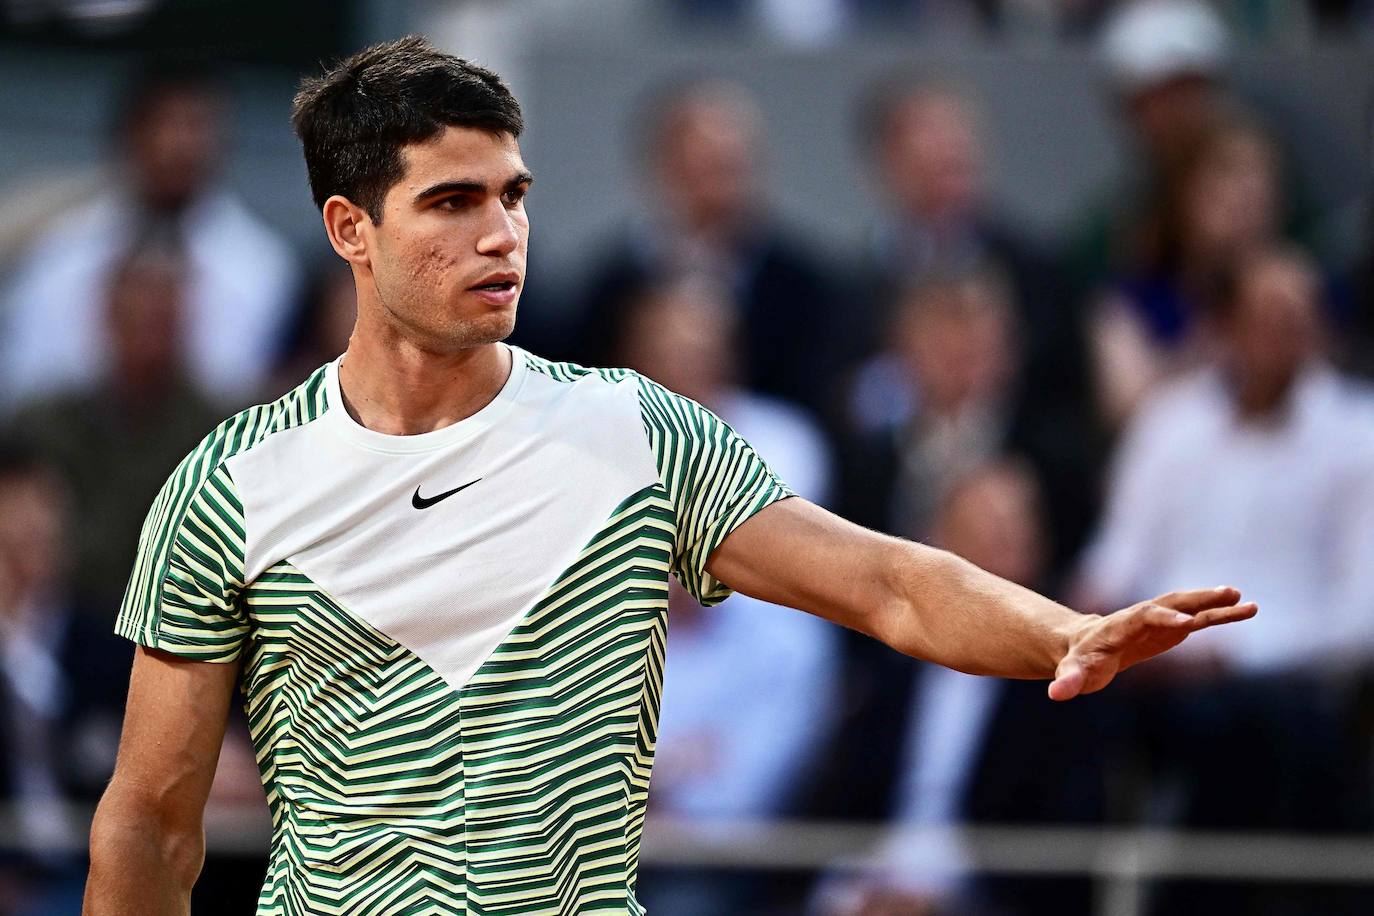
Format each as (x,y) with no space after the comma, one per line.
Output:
(359,744)
(523,794)
(392,793)
(560,725)
(189,569)
(713,477)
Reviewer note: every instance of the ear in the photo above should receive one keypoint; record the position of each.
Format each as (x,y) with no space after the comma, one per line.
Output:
(347,226)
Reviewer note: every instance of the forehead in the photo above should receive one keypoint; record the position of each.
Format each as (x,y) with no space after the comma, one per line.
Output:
(461,153)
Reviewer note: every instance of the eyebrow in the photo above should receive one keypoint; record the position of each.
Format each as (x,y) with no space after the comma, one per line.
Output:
(468,186)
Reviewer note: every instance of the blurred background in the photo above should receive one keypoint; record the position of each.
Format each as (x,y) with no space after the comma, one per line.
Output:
(1082,290)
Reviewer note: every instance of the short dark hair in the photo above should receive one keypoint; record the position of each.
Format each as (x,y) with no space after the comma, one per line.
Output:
(353,121)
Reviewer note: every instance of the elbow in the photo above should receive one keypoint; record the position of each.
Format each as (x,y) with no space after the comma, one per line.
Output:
(898,615)
(130,827)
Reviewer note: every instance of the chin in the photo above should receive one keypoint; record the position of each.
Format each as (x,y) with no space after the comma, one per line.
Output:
(488,329)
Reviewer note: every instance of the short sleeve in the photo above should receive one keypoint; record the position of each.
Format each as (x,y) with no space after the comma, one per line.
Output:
(714,478)
(183,593)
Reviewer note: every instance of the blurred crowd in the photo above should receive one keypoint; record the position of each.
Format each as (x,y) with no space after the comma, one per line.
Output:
(1172,398)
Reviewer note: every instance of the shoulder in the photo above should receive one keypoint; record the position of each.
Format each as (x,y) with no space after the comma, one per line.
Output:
(573,373)
(249,428)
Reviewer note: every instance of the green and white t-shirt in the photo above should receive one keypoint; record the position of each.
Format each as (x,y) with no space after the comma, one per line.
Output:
(452,642)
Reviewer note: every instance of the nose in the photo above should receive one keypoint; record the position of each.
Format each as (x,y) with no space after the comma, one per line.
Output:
(500,233)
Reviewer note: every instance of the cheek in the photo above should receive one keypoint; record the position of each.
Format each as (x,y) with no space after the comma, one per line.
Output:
(431,264)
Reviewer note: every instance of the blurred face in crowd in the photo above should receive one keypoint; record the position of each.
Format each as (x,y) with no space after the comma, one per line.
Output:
(32,508)
(446,263)
(144,320)
(932,157)
(1272,330)
(1231,193)
(993,518)
(680,336)
(705,158)
(955,338)
(175,146)
(1170,116)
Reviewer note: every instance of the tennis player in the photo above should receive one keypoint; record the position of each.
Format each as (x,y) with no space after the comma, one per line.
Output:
(439,568)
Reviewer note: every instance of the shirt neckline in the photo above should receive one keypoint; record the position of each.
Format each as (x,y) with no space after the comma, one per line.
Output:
(443,437)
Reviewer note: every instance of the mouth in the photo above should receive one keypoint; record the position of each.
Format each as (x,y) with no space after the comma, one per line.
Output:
(496,283)
(497,289)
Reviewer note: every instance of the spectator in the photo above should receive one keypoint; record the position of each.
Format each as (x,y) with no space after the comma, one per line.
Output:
(929,152)
(1165,60)
(1257,468)
(746,668)
(62,687)
(707,215)
(165,192)
(1225,198)
(979,750)
(953,393)
(116,437)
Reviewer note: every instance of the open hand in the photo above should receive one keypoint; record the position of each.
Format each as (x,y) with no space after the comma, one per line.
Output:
(1110,644)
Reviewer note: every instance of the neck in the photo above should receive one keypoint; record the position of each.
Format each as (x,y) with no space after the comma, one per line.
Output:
(394,387)
(1262,402)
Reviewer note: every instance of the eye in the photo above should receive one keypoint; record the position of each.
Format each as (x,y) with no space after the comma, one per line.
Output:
(514,196)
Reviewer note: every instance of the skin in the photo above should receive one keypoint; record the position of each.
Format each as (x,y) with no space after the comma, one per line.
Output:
(932,158)
(425,353)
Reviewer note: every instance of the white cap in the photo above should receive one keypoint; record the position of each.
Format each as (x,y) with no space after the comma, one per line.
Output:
(1150,41)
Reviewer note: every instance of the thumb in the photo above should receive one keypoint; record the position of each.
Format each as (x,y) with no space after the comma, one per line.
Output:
(1068,680)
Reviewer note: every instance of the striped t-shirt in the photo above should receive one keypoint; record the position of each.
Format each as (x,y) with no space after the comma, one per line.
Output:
(452,643)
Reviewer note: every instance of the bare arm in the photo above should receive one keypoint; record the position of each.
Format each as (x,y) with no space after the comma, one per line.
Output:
(148,841)
(931,604)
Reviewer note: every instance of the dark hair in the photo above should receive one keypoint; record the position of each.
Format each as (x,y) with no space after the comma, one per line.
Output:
(353,121)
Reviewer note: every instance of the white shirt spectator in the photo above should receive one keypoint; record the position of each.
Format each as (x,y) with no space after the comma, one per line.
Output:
(749,688)
(1282,508)
(242,277)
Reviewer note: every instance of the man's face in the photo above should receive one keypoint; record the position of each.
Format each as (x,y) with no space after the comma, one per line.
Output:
(448,258)
(707,164)
(32,507)
(176,147)
(1274,330)
(932,158)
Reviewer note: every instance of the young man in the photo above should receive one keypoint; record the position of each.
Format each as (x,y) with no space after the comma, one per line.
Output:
(441,565)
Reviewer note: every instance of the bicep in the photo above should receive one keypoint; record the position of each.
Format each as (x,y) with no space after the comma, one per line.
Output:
(174,725)
(797,554)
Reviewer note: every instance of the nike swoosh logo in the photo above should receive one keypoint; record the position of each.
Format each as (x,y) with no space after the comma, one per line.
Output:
(424,502)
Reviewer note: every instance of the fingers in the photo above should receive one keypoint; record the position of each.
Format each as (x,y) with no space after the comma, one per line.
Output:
(1218,616)
(1157,615)
(1192,602)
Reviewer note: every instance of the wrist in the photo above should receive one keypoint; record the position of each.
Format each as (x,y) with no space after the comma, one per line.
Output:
(1069,630)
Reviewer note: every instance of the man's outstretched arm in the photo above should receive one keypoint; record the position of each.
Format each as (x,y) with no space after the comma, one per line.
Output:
(931,604)
(148,840)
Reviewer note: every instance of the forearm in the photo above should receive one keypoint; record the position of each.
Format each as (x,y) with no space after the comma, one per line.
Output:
(944,609)
(141,865)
